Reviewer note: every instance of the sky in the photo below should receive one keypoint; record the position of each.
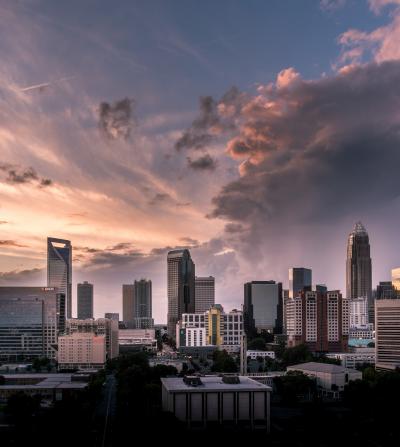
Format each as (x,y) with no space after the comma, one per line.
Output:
(255,133)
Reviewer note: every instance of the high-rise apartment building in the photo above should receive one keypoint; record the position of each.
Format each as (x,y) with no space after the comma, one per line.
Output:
(101,326)
(263,307)
(112,316)
(59,269)
(81,350)
(387,333)
(358,312)
(204,293)
(321,321)
(85,300)
(212,328)
(358,265)
(31,319)
(181,287)
(137,305)
(300,279)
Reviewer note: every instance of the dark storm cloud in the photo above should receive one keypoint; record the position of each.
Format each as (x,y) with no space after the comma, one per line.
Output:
(18,175)
(316,150)
(203,163)
(117,120)
(215,117)
(120,246)
(234,228)
(10,243)
(112,259)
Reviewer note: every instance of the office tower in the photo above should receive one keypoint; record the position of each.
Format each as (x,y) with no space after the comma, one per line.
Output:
(385,290)
(263,307)
(321,321)
(81,350)
(181,287)
(128,304)
(387,333)
(100,326)
(358,312)
(212,328)
(396,281)
(204,293)
(300,279)
(31,318)
(112,316)
(358,265)
(85,300)
(321,288)
(142,310)
(59,269)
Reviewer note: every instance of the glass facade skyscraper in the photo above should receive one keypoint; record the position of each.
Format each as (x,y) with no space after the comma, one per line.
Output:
(137,304)
(204,293)
(358,265)
(31,318)
(85,300)
(263,307)
(300,279)
(181,287)
(59,268)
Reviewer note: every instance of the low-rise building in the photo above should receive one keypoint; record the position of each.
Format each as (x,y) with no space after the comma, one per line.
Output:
(131,340)
(202,401)
(81,350)
(330,379)
(254,354)
(353,359)
(51,387)
(99,326)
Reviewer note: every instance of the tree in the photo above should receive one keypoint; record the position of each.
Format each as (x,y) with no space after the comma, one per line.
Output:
(297,354)
(257,344)
(223,362)
(21,407)
(294,383)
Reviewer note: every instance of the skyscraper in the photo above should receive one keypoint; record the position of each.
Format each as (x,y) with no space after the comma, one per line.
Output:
(300,279)
(142,310)
(204,293)
(85,300)
(59,269)
(31,318)
(128,304)
(263,307)
(181,287)
(387,333)
(396,281)
(358,265)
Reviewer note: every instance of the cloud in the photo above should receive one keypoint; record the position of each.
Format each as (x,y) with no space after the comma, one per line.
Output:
(117,120)
(3,222)
(17,175)
(331,5)
(160,198)
(233,228)
(215,117)
(203,163)
(381,44)
(189,241)
(120,246)
(21,277)
(377,5)
(10,243)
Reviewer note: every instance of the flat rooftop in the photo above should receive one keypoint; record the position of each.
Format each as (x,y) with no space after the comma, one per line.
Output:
(213,383)
(44,381)
(320,367)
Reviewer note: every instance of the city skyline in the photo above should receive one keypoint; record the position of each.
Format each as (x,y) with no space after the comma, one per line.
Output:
(128,170)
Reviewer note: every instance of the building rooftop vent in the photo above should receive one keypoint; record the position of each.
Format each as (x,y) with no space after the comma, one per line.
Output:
(192,381)
(231,380)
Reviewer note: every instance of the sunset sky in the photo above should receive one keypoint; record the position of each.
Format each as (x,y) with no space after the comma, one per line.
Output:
(253,132)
